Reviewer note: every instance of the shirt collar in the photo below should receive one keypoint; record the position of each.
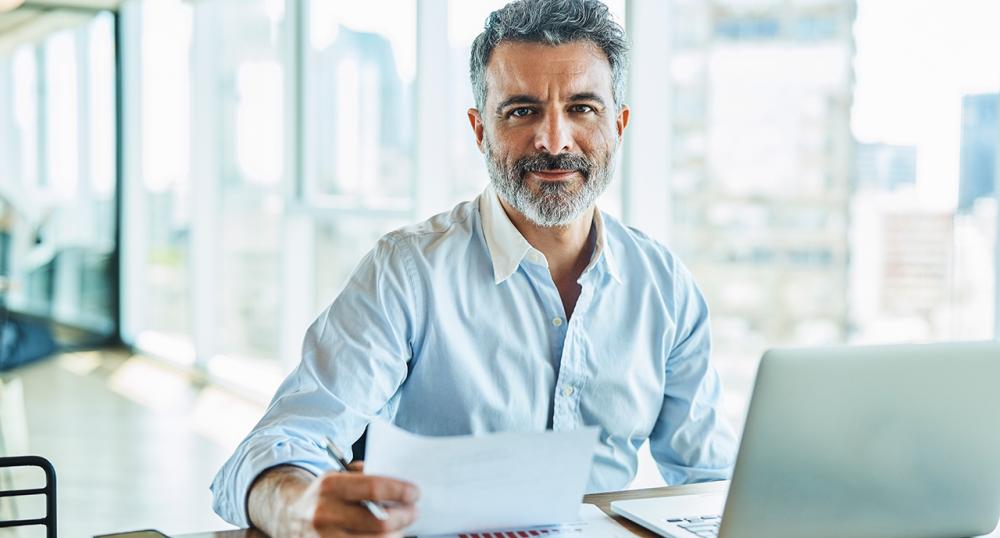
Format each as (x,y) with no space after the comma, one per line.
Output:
(508,248)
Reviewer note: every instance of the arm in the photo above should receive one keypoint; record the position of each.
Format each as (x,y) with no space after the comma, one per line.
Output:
(290,501)
(691,440)
(354,359)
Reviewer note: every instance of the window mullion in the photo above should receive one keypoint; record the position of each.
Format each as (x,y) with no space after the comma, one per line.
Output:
(646,196)
(431,155)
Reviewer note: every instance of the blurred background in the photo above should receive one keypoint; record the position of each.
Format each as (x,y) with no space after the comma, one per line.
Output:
(186,184)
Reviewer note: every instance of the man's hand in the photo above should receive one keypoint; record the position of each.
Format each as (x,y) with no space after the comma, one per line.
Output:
(288,501)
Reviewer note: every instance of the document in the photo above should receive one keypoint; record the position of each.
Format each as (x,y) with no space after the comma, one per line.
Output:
(591,523)
(493,481)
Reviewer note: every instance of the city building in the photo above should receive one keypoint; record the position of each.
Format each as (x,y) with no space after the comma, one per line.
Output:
(980,140)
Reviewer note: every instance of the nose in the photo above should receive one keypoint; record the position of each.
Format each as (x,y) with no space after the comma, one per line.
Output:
(554,134)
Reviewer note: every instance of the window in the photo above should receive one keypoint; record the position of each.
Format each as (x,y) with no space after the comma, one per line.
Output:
(359,152)
(831,185)
(824,184)
(359,88)
(57,179)
(158,207)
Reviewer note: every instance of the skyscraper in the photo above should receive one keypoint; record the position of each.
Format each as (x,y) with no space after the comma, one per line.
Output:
(980,139)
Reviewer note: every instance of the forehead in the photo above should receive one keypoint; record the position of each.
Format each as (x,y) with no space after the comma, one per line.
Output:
(537,69)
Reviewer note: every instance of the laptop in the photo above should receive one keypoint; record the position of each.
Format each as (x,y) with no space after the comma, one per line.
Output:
(850,442)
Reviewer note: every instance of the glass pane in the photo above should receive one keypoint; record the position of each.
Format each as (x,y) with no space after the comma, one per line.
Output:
(102,107)
(926,115)
(359,77)
(340,245)
(165,318)
(250,124)
(467,171)
(25,112)
(58,232)
(833,172)
(61,126)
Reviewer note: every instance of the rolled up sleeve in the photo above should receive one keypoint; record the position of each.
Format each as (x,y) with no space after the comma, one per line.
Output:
(354,360)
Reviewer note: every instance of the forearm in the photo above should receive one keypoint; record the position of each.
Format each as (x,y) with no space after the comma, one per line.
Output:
(272,496)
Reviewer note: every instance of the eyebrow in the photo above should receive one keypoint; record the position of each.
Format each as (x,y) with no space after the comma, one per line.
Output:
(525,99)
(587,96)
(518,99)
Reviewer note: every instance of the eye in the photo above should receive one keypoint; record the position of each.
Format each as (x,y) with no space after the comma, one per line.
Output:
(520,112)
(581,109)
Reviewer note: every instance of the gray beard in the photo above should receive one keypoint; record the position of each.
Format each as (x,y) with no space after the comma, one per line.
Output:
(557,205)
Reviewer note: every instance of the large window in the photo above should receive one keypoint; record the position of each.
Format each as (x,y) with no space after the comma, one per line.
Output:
(277,146)
(57,172)
(830,184)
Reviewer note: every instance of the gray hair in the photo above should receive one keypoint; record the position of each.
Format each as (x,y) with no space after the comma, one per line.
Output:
(552,22)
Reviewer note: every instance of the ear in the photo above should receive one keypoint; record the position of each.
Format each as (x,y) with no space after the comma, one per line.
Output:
(622,121)
(476,121)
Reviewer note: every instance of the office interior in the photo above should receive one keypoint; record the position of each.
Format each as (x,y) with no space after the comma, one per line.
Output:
(186,184)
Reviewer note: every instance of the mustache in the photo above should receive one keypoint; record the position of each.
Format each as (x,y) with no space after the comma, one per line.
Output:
(541,162)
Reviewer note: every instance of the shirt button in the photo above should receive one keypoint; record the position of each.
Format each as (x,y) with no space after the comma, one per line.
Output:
(567,391)
(557,321)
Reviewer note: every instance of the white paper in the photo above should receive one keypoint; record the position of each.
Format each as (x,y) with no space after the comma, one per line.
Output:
(490,481)
(592,522)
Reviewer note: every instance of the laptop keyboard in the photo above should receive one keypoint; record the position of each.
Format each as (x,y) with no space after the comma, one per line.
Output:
(701,526)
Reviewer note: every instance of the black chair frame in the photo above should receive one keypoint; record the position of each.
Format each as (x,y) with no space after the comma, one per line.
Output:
(49,521)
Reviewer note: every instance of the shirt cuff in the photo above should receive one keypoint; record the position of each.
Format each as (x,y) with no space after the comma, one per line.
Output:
(232,484)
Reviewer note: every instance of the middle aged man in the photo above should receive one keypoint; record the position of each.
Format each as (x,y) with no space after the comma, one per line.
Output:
(525,309)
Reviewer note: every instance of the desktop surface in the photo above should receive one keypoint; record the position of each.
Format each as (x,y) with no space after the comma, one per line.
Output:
(601,500)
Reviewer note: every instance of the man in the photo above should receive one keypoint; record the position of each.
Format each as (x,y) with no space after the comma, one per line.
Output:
(525,309)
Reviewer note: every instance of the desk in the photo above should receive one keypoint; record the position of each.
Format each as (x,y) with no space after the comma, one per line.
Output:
(601,500)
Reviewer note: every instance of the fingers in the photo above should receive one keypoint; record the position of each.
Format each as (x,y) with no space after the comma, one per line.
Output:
(357,487)
(357,466)
(339,510)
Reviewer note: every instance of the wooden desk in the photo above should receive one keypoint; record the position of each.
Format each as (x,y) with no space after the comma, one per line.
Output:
(601,500)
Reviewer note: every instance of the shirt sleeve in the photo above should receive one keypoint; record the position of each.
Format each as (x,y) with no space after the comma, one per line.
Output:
(354,358)
(692,441)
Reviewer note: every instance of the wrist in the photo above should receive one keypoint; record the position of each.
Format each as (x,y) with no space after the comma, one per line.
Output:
(272,496)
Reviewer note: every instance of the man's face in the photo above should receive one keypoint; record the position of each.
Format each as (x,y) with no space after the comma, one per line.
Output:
(549,128)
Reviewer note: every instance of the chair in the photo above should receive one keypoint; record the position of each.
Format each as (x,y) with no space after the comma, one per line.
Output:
(49,490)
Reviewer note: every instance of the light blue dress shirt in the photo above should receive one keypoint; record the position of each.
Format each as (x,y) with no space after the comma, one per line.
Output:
(455,326)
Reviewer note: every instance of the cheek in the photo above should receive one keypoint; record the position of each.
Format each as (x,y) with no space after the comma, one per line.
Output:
(514,139)
(598,138)
(511,144)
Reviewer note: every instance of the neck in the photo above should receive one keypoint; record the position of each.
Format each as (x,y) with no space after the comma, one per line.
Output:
(567,249)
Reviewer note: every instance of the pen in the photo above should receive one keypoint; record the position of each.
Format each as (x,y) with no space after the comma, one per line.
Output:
(338,456)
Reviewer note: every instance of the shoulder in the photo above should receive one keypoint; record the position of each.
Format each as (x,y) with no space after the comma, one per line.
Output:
(441,233)
(637,251)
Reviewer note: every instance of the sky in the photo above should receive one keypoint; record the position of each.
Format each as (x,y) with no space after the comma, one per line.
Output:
(915,60)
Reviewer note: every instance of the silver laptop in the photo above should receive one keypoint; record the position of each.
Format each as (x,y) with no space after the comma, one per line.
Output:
(845,442)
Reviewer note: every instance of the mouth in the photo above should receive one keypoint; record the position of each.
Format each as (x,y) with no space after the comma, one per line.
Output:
(555,175)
